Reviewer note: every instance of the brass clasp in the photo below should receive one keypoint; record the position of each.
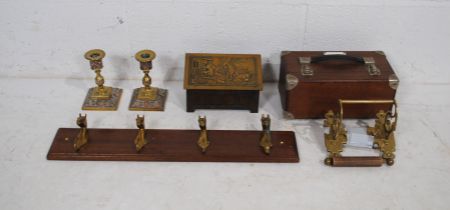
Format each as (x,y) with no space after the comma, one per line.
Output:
(305,67)
(371,67)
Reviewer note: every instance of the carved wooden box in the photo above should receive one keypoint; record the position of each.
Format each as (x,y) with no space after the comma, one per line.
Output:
(222,81)
(312,82)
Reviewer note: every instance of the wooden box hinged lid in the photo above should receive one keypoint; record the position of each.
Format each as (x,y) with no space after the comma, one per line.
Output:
(205,71)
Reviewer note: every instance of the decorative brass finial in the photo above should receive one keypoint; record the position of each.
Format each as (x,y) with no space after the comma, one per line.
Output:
(266,137)
(140,140)
(100,97)
(147,98)
(82,137)
(383,133)
(335,138)
(203,142)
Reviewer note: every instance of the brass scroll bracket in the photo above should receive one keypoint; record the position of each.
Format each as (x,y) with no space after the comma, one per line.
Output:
(383,133)
(266,137)
(82,138)
(140,140)
(203,141)
(336,138)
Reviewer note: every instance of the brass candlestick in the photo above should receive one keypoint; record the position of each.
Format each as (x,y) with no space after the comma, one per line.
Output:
(100,97)
(145,58)
(147,98)
(95,60)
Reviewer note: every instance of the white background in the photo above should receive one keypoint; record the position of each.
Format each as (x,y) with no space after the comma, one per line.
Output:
(44,78)
(48,39)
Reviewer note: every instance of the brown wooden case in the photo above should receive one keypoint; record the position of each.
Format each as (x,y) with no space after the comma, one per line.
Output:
(222,81)
(312,82)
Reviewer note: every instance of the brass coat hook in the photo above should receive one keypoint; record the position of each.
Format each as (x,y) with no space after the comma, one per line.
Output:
(266,137)
(203,141)
(82,137)
(140,140)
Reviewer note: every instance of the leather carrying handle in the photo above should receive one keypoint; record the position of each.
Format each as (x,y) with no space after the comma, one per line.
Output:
(323,58)
(307,70)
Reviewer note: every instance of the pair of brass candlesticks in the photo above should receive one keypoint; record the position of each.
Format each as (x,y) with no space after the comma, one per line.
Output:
(105,98)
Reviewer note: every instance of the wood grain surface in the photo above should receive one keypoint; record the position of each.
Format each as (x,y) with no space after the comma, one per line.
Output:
(174,145)
(222,99)
(360,161)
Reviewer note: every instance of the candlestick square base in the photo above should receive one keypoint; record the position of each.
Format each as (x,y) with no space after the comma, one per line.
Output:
(99,104)
(145,104)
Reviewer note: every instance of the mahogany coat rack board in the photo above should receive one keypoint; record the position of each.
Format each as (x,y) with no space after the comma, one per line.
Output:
(174,145)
